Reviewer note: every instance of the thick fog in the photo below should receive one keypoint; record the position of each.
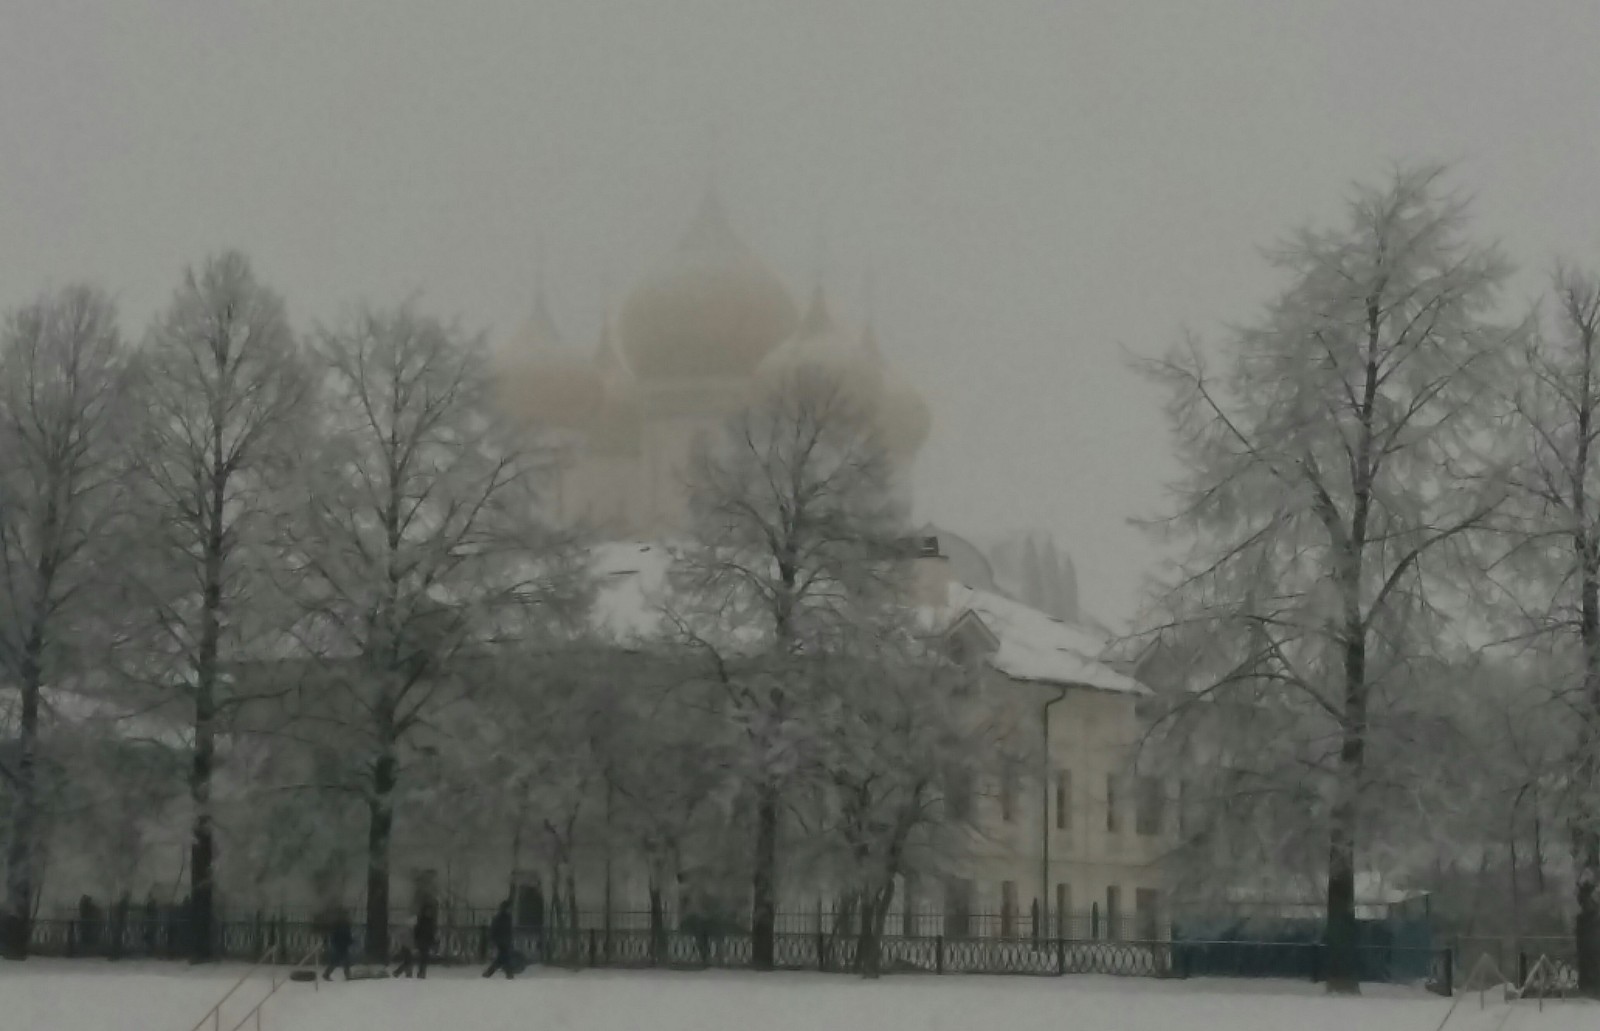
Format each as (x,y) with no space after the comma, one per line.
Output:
(1029,186)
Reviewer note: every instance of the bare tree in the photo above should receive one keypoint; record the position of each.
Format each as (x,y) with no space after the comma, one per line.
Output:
(418,545)
(794,528)
(61,378)
(1333,475)
(1555,530)
(901,721)
(223,390)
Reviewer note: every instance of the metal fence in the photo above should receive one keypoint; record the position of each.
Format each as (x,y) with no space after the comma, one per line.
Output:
(1090,926)
(708,946)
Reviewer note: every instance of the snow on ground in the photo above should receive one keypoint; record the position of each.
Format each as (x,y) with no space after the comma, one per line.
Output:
(65,996)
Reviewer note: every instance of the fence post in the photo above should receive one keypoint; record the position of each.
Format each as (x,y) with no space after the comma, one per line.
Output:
(1061,956)
(1522,969)
(594,948)
(1449,972)
(938,954)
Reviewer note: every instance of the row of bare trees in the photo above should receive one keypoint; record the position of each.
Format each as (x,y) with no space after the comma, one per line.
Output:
(1382,624)
(317,564)
(227,497)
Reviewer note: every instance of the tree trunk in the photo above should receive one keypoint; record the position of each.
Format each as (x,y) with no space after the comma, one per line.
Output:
(763,919)
(22,851)
(658,925)
(1340,933)
(869,948)
(202,848)
(380,832)
(572,901)
(1586,930)
(1586,824)
(844,914)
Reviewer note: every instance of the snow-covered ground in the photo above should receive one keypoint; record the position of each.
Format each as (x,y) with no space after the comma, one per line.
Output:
(61,996)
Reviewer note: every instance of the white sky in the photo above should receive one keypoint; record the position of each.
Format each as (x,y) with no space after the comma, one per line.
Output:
(1034,183)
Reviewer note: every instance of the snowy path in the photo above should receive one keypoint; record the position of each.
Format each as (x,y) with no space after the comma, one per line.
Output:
(90,997)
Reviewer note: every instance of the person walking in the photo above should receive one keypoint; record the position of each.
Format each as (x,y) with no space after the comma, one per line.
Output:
(500,938)
(536,920)
(340,939)
(424,935)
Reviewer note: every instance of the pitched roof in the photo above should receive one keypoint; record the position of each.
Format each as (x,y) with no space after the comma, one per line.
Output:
(1035,646)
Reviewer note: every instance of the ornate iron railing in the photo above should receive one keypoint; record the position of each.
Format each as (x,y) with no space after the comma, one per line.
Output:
(706,947)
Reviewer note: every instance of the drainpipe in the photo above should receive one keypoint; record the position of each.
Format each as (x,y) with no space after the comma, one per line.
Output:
(1044,825)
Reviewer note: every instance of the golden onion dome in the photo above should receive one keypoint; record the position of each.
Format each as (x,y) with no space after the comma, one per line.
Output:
(903,414)
(819,344)
(904,418)
(543,382)
(714,310)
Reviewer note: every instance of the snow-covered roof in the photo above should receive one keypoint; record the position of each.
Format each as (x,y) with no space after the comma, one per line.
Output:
(1036,646)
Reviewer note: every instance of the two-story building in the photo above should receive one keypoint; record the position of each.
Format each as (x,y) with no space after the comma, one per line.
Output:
(1077,840)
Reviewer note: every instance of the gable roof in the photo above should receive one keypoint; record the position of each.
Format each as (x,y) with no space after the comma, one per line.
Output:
(1034,646)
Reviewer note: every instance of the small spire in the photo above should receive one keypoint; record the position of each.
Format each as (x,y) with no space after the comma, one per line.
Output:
(542,323)
(869,317)
(711,229)
(819,251)
(817,321)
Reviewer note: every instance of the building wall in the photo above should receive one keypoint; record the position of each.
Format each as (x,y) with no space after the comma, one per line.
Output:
(1104,837)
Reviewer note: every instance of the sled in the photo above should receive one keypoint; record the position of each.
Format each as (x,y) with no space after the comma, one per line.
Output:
(368,972)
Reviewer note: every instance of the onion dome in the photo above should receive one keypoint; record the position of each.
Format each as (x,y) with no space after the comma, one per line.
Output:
(543,381)
(903,414)
(820,344)
(904,417)
(714,310)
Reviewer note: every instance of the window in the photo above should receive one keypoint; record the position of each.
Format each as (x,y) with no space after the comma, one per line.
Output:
(1151,806)
(1008,909)
(1111,804)
(1147,910)
(1064,911)
(1063,800)
(1113,913)
(958,908)
(1008,793)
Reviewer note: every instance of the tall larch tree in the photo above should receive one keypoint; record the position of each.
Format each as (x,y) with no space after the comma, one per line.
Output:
(223,388)
(62,379)
(1334,469)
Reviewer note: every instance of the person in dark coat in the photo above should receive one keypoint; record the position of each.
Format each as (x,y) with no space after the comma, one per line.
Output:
(119,925)
(340,939)
(535,916)
(424,936)
(501,939)
(152,924)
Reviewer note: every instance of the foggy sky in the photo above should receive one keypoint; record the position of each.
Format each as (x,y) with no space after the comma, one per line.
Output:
(1033,184)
